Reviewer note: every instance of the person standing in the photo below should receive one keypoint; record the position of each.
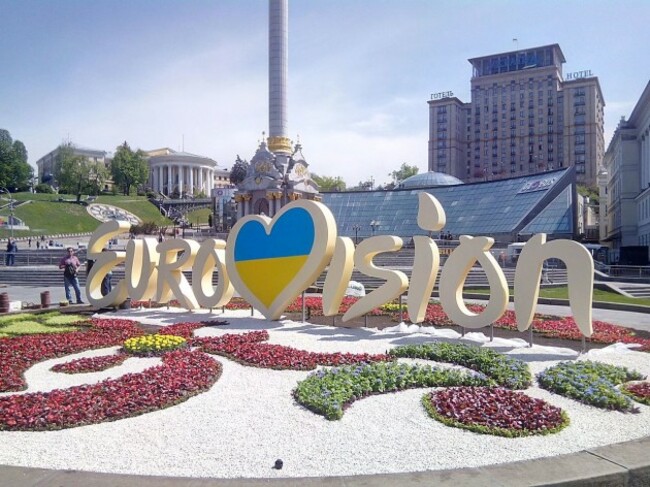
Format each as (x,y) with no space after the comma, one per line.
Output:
(12,247)
(70,265)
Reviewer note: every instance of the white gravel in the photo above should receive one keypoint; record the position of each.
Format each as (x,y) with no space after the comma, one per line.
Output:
(248,419)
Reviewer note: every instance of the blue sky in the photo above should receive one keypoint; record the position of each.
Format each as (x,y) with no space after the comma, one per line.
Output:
(156,72)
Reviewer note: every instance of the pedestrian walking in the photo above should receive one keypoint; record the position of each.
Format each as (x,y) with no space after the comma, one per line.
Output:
(29,242)
(70,265)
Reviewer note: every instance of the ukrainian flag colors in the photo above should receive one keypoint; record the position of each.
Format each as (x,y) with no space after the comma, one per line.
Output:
(268,263)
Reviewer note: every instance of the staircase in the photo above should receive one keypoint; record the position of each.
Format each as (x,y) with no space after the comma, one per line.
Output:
(636,291)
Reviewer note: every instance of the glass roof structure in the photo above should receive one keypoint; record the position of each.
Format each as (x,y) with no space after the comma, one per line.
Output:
(503,209)
(429,179)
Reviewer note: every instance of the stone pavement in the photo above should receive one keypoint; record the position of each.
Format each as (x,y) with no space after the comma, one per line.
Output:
(623,464)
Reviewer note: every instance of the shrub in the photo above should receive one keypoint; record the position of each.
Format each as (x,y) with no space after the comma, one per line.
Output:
(44,188)
(503,370)
(329,392)
(592,383)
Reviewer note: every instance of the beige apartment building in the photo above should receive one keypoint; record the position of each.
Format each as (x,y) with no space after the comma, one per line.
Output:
(525,117)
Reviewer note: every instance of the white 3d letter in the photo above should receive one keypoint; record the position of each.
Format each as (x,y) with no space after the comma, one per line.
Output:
(431,217)
(453,278)
(140,268)
(580,274)
(104,263)
(396,281)
(171,281)
(338,275)
(211,253)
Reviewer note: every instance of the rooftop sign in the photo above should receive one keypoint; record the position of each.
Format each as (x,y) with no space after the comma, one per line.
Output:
(579,74)
(539,185)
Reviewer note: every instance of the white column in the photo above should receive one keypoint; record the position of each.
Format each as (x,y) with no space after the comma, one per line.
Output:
(192,180)
(181,170)
(169,179)
(160,178)
(201,188)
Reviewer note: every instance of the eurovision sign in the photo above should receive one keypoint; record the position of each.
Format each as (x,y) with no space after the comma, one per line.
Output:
(271,261)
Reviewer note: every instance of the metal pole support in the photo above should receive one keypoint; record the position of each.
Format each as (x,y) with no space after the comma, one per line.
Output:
(491,332)
(303,307)
(365,321)
(333,320)
(252,311)
(530,337)
(462,331)
(584,345)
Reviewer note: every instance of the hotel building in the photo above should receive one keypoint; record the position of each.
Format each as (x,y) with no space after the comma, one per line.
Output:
(525,117)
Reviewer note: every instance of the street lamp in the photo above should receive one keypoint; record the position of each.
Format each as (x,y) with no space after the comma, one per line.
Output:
(356,229)
(11,210)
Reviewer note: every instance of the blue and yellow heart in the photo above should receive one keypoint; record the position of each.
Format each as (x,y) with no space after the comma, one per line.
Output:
(267,264)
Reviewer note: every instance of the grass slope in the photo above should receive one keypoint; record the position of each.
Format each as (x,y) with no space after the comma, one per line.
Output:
(46,215)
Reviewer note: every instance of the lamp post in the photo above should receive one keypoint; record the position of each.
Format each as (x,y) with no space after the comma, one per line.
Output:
(11,210)
(356,229)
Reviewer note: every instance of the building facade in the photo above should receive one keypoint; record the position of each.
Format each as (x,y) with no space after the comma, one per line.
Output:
(46,164)
(181,174)
(627,190)
(525,117)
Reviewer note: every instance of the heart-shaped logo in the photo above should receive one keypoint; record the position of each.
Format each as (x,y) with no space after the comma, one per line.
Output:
(271,261)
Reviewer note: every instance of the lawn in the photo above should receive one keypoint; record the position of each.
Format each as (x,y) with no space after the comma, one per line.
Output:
(46,215)
(562,292)
(199,217)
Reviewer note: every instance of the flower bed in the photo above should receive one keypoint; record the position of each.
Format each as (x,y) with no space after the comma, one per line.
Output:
(19,353)
(495,411)
(330,392)
(183,374)
(503,370)
(592,383)
(90,364)
(153,345)
(247,349)
(639,391)
(28,323)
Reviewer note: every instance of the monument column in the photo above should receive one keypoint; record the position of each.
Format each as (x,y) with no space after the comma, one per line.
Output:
(192,180)
(201,189)
(278,142)
(181,178)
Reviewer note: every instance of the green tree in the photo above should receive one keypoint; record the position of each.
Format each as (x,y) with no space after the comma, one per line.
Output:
(368,185)
(329,183)
(128,168)
(76,174)
(405,171)
(14,169)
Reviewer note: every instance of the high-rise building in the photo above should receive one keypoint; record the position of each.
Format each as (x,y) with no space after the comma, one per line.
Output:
(525,117)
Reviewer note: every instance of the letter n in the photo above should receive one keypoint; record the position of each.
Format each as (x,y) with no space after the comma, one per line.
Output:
(580,276)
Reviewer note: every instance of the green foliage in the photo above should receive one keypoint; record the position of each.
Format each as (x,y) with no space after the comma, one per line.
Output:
(328,392)
(329,183)
(592,383)
(502,370)
(29,324)
(77,174)
(238,171)
(15,172)
(46,215)
(591,192)
(146,228)
(405,171)
(128,168)
(44,188)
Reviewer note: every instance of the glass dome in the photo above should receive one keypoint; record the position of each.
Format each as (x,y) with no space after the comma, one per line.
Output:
(428,179)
